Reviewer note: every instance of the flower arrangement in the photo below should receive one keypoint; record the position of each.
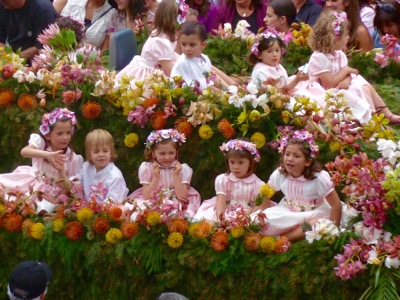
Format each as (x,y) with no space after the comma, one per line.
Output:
(391,50)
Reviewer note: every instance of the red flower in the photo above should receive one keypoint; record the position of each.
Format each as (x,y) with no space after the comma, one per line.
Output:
(219,240)
(74,230)
(13,222)
(101,225)
(129,230)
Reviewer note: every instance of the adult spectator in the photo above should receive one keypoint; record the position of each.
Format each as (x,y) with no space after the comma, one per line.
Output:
(59,5)
(21,21)
(206,10)
(29,281)
(307,11)
(367,15)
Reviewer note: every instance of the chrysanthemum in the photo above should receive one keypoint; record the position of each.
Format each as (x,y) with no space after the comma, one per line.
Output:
(74,230)
(13,223)
(203,229)
(6,97)
(282,245)
(175,240)
(226,128)
(27,224)
(91,110)
(2,210)
(36,231)
(131,140)
(101,225)
(27,102)
(129,229)
(178,225)
(84,214)
(151,101)
(268,244)
(252,241)
(113,236)
(258,139)
(58,225)
(205,132)
(237,231)
(219,240)
(158,120)
(153,218)
(183,126)
(115,212)
(335,146)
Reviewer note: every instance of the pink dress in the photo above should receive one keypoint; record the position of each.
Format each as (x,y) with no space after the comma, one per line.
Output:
(166,182)
(155,49)
(304,200)
(359,102)
(239,192)
(262,72)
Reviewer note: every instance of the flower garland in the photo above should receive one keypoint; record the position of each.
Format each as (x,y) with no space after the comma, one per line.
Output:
(48,120)
(164,134)
(241,146)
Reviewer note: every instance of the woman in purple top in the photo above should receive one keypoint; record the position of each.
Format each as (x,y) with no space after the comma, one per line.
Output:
(252,11)
(206,10)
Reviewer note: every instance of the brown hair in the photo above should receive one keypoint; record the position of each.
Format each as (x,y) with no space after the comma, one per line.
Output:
(284,8)
(265,44)
(387,12)
(202,8)
(253,4)
(353,14)
(165,19)
(99,137)
(148,152)
(241,154)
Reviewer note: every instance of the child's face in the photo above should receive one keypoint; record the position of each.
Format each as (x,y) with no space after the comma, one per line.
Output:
(60,136)
(272,55)
(191,45)
(165,154)
(239,166)
(340,43)
(271,19)
(339,5)
(295,161)
(391,28)
(100,156)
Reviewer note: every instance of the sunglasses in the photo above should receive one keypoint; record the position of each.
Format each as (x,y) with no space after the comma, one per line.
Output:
(387,8)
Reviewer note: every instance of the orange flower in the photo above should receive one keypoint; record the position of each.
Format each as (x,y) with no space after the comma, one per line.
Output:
(282,244)
(204,229)
(158,120)
(13,223)
(115,212)
(27,102)
(252,241)
(178,225)
(6,97)
(183,126)
(91,110)
(151,101)
(101,225)
(219,240)
(226,128)
(129,230)
(74,230)
(26,225)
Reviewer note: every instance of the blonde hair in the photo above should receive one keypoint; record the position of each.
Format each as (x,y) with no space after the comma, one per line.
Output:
(323,36)
(165,19)
(96,138)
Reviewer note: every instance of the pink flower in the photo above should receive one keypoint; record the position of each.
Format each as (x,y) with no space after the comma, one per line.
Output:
(98,192)
(138,116)
(50,32)
(381,59)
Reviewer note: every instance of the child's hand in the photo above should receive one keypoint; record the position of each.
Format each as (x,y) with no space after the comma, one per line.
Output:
(156,170)
(344,85)
(352,71)
(56,158)
(300,76)
(177,169)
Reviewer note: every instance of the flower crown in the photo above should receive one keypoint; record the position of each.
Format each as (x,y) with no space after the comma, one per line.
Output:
(164,134)
(339,18)
(50,119)
(269,33)
(303,135)
(242,146)
(184,9)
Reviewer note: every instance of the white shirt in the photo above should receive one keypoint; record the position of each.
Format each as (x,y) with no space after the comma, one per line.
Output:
(367,15)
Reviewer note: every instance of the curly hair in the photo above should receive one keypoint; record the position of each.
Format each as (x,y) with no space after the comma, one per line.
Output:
(323,37)
(165,19)
(265,44)
(309,172)
(387,12)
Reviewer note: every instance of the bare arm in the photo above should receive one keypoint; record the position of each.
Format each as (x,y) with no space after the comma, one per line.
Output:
(292,84)
(181,189)
(30,52)
(59,5)
(148,188)
(106,44)
(364,39)
(221,206)
(166,66)
(336,207)
(330,81)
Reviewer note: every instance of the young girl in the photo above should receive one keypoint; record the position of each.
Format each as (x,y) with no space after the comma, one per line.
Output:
(308,190)
(329,70)
(280,15)
(163,170)
(266,54)
(51,159)
(159,49)
(387,21)
(99,173)
(238,187)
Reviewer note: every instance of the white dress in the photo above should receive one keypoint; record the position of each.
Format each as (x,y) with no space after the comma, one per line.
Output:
(262,72)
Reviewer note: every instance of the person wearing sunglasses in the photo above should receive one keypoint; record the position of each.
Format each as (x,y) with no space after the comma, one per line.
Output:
(387,21)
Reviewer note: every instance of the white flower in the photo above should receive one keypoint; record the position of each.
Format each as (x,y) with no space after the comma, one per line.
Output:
(30,77)
(227,27)
(386,147)
(252,88)
(233,89)
(20,76)
(373,257)
(260,101)
(371,235)
(312,235)
(392,262)
(241,30)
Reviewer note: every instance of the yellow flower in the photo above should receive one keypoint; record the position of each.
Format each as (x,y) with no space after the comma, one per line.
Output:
(84,214)
(258,139)
(237,231)
(2,210)
(193,229)
(205,132)
(242,117)
(335,146)
(268,243)
(37,231)
(267,191)
(175,240)
(131,140)
(153,218)
(58,225)
(114,235)
(254,115)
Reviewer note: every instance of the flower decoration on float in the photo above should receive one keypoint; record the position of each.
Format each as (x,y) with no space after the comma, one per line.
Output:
(164,134)
(183,11)
(267,34)
(303,135)
(338,18)
(242,146)
(58,114)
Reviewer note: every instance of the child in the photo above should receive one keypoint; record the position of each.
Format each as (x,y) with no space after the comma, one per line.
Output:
(387,21)
(52,158)
(158,51)
(308,190)
(163,170)
(238,187)
(329,70)
(266,54)
(280,15)
(99,172)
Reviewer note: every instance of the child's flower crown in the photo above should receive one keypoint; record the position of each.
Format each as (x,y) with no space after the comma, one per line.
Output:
(338,18)
(242,146)
(164,134)
(303,135)
(58,114)
(269,33)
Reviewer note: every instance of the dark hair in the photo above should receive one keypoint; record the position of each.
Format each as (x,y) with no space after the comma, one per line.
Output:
(136,9)
(194,28)
(241,154)
(387,12)
(284,8)
(202,8)
(265,44)
(148,153)
(309,172)
(253,4)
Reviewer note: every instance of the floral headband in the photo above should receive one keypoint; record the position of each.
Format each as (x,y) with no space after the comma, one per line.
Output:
(184,9)
(50,119)
(164,134)
(303,135)
(242,146)
(269,33)
(339,18)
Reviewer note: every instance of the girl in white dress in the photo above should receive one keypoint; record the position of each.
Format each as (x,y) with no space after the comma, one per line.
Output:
(308,190)
(236,189)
